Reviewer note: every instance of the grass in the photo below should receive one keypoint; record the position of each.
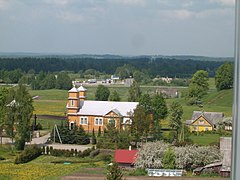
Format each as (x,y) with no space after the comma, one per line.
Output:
(205,139)
(43,168)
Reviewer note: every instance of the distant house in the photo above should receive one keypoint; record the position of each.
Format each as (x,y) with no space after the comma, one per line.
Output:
(204,121)
(125,157)
(94,114)
(168,92)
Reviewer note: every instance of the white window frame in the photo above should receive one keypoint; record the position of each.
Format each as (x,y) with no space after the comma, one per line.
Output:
(83,120)
(96,121)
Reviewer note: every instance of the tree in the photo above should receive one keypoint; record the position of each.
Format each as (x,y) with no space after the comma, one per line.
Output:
(156,107)
(125,71)
(159,112)
(3,109)
(114,96)
(176,112)
(140,126)
(114,172)
(169,159)
(134,92)
(102,93)
(24,110)
(94,140)
(63,81)
(224,76)
(198,86)
(99,131)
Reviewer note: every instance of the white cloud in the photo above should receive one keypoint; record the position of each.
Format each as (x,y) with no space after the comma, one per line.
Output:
(129,2)
(224,2)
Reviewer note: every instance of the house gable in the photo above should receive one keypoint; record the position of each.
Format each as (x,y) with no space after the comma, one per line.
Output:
(202,121)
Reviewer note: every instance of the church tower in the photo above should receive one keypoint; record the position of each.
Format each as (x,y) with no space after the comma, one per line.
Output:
(73,100)
(82,93)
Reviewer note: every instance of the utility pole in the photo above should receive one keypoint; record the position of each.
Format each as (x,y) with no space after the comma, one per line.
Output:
(235,168)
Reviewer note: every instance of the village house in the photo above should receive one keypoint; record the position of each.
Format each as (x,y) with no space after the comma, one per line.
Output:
(204,121)
(94,114)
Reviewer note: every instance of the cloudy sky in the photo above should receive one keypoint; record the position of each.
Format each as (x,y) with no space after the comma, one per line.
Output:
(124,27)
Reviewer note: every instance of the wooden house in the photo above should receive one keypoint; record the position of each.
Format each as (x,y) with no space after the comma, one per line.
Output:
(94,114)
(204,121)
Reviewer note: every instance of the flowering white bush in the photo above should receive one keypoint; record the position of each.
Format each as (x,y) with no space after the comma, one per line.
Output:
(190,156)
(151,154)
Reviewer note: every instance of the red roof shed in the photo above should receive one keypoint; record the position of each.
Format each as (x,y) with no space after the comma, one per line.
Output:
(123,156)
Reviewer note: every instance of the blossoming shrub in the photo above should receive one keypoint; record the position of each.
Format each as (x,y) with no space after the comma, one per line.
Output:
(30,153)
(151,155)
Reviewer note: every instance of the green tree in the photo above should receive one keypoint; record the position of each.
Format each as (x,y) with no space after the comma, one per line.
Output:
(198,86)
(169,159)
(24,110)
(156,107)
(99,131)
(224,76)
(175,116)
(114,172)
(125,71)
(94,139)
(140,126)
(3,109)
(114,96)
(49,82)
(102,93)
(63,81)
(134,92)
(159,112)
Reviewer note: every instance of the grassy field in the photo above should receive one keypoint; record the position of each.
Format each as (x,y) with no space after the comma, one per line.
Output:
(41,168)
(53,102)
(205,139)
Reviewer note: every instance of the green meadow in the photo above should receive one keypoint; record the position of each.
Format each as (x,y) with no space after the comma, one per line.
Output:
(53,102)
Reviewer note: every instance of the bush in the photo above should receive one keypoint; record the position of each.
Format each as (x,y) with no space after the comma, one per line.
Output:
(30,153)
(2,158)
(105,157)
(94,153)
(86,152)
(114,172)
(138,172)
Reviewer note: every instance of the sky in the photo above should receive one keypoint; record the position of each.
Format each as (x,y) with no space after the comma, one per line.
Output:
(120,27)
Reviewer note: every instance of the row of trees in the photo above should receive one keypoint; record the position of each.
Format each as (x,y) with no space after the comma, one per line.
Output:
(198,86)
(122,66)
(15,113)
(50,81)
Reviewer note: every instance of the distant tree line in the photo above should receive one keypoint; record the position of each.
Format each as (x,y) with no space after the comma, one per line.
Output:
(123,67)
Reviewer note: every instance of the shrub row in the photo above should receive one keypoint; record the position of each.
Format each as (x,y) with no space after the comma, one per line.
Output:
(70,153)
(31,152)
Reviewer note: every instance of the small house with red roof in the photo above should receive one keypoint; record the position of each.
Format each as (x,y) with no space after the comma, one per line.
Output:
(125,157)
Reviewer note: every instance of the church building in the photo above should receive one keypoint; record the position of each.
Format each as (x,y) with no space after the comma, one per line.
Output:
(94,114)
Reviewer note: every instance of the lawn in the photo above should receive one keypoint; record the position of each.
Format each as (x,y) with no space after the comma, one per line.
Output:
(43,168)
(36,170)
(205,139)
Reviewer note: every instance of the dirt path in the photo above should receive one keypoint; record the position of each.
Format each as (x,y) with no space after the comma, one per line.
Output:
(87,176)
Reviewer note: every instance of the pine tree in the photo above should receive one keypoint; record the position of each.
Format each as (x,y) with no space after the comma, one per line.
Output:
(99,131)
(94,140)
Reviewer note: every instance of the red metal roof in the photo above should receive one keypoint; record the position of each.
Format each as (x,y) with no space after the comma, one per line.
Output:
(125,156)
